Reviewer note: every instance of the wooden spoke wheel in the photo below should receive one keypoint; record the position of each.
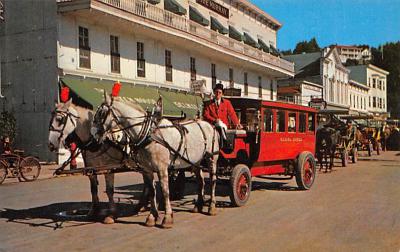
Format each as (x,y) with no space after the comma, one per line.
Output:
(378,148)
(240,185)
(29,168)
(3,171)
(344,155)
(354,157)
(306,170)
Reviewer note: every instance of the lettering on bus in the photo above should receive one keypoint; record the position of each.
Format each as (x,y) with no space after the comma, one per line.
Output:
(291,139)
(214,7)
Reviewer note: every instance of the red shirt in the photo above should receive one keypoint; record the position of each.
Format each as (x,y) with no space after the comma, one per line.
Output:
(212,112)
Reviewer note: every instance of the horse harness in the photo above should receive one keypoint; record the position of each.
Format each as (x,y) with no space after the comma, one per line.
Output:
(65,116)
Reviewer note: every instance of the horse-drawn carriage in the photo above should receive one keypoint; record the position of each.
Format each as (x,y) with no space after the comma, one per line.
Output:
(279,139)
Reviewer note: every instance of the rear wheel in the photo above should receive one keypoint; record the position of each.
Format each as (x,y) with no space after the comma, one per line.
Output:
(3,172)
(29,168)
(345,158)
(306,170)
(354,157)
(240,185)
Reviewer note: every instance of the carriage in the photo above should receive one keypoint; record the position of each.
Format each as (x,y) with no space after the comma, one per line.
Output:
(278,139)
(25,168)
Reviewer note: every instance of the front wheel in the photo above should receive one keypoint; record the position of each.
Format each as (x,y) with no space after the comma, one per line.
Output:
(305,170)
(29,168)
(345,158)
(240,185)
(3,172)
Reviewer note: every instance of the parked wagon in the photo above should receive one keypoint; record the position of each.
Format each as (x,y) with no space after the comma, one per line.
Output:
(25,168)
(279,139)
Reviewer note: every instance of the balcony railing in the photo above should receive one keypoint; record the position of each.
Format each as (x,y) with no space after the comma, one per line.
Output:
(149,11)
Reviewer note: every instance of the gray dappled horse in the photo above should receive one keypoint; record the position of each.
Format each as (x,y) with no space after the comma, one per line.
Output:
(73,123)
(157,144)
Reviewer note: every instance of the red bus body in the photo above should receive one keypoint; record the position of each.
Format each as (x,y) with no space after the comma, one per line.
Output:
(275,135)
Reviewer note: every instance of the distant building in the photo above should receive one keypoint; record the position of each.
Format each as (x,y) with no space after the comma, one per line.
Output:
(157,44)
(325,70)
(358,97)
(375,79)
(359,54)
(298,91)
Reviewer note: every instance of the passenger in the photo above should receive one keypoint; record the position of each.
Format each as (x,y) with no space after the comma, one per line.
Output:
(219,111)
(5,147)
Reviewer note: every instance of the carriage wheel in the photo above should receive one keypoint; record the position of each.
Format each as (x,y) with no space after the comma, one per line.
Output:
(345,158)
(354,157)
(29,168)
(370,149)
(3,172)
(306,170)
(240,185)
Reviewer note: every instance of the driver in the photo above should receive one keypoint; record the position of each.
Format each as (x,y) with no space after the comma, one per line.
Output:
(219,111)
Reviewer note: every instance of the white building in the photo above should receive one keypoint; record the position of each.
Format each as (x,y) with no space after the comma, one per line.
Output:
(325,69)
(153,44)
(358,97)
(357,53)
(375,79)
(299,91)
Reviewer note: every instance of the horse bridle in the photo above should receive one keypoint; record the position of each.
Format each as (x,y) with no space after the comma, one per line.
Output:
(65,116)
(147,123)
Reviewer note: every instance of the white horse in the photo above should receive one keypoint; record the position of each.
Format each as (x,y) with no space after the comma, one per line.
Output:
(157,145)
(73,123)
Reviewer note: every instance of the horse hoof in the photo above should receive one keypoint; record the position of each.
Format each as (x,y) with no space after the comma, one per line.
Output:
(108,220)
(167,222)
(150,221)
(212,211)
(197,209)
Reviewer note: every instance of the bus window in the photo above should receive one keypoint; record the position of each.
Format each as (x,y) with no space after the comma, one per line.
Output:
(311,122)
(252,119)
(292,122)
(268,120)
(280,121)
(302,122)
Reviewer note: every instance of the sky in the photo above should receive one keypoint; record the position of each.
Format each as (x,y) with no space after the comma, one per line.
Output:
(343,22)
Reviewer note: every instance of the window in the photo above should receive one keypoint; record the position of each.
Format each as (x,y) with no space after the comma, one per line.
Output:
(192,68)
(213,75)
(369,102)
(369,81)
(246,85)
(268,120)
(379,84)
(292,122)
(168,66)
(231,83)
(280,121)
(374,102)
(114,52)
(141,62)
(84,48)
(374,83)
(311,122)
(302,122)
(272,91)
(383,85)
(260,87)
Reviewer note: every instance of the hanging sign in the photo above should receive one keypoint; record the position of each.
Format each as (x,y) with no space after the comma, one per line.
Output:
(216,7)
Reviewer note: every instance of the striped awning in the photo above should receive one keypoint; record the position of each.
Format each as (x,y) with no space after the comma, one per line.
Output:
(249,40)
(235,34)
(197,17)
(263,46)
(217,26)
(175,7)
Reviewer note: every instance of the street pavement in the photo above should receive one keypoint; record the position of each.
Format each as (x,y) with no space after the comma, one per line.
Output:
(350,209)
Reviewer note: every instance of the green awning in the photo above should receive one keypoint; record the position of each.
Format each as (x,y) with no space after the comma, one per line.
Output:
(274,51)
(174,6)
(263,46)
(196,16)
(191,105)
(249,40)
(217,26)
(90,92)
(235,34)
(154,1)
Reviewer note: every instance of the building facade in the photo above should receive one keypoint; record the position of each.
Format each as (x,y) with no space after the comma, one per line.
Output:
(325,70)
(299,91)
(169,44)
(375,79)
(355,53)
(358,97)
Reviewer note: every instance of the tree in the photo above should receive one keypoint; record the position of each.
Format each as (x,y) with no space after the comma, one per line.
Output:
(307,47)
(387,57)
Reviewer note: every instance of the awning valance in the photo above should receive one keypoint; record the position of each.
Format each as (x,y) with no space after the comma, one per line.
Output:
(249,40)
(235,34)
(174,6)
(196,16)
(217,26)
(263,46)
(90,93)
(274,51)
(154,1)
